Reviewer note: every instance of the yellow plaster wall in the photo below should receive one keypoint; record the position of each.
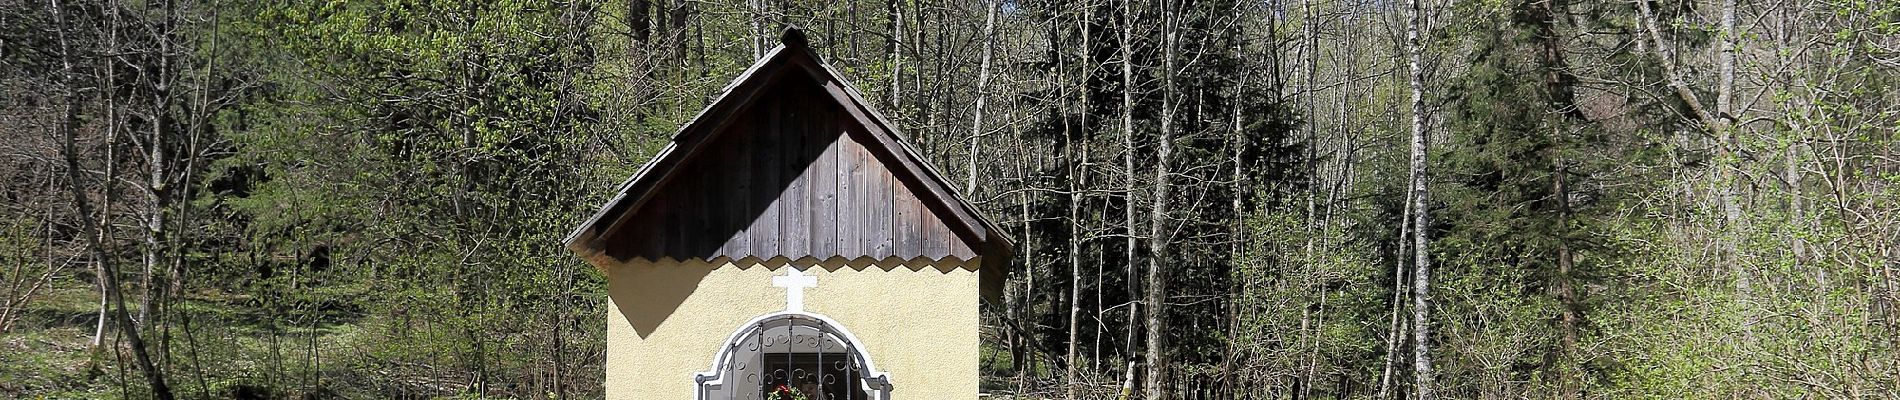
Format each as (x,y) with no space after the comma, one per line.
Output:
(666,321)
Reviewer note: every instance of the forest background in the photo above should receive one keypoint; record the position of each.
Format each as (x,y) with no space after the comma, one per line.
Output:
(1212,199)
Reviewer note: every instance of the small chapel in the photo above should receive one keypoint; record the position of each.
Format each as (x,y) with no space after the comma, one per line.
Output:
(788,243)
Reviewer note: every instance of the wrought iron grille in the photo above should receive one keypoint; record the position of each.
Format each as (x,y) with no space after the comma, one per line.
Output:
(786,354)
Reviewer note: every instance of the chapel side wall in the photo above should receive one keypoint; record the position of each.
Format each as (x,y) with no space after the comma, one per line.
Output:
(667,320)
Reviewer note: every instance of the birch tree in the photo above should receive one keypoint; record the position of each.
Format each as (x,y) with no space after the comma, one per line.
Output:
(1423,385)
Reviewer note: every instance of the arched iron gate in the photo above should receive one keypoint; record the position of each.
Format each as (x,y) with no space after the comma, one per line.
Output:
(792,351)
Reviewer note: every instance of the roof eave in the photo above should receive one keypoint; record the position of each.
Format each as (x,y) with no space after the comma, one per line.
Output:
(992,245)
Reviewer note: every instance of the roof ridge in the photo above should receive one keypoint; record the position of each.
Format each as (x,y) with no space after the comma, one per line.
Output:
(735,97)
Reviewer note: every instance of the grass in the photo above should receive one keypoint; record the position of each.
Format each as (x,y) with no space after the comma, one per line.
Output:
(228,350)
(49,352)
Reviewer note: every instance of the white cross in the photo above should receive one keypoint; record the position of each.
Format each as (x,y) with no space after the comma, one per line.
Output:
(794,282)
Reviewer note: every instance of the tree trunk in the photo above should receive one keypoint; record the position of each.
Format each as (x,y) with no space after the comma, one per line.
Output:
(1128,189)
(640,19)
(1157,298)
(758,38)
(158,183)
(1560,85)
(1078,176)
(982,94)
(1393,337)
(1421,222)
(1309,165)
(1673,77)
(110,80)
(896,11)
(1237,227)
(1730,168)
(677,33)
(1024,356)
(154,377)
(1568,374)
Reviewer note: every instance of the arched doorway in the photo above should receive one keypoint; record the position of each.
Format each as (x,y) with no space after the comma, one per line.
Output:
(792,350)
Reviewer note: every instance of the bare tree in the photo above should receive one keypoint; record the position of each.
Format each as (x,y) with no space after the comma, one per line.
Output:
(154,377)
(1128,184)
(982,94)
(1156,299)
(1078,181)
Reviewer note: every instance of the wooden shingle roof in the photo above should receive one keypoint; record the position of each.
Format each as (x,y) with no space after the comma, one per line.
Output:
(790,163)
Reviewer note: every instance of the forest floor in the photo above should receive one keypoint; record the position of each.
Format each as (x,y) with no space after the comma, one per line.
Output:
(49,353)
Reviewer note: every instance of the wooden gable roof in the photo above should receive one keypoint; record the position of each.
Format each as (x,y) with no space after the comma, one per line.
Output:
(790,163)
